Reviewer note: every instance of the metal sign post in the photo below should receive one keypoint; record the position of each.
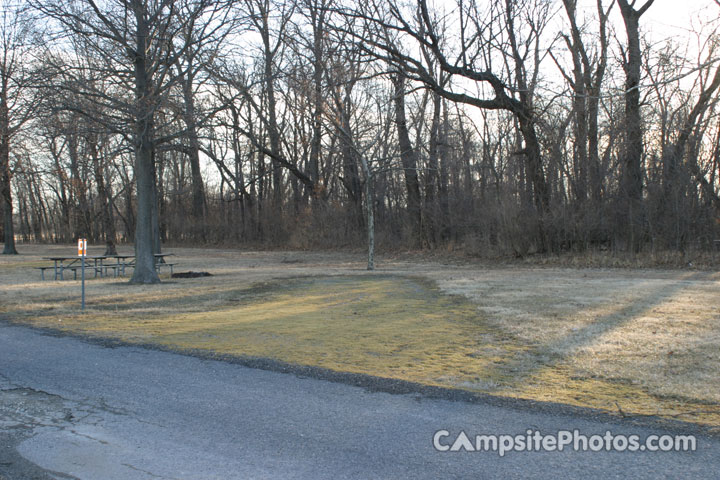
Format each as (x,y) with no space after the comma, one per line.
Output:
(82,252)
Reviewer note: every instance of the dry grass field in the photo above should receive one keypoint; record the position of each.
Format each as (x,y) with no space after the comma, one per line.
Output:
(632,342)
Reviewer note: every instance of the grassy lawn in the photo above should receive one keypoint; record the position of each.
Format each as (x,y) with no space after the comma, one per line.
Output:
(640,342)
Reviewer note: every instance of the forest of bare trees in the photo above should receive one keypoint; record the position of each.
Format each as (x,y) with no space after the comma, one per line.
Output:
(506,127)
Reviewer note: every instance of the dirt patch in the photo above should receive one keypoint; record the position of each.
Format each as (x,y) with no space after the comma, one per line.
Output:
(191,274)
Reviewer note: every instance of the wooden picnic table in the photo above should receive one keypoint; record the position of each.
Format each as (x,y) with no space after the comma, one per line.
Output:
(60,264)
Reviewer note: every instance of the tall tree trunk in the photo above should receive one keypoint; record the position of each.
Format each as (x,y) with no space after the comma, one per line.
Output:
(261,195)
(156,205)
(106,216)
(198,189)
(580,155)
(408,157)
(432,174)
(593,88)
(443,160)
(317,17)
(5,186)
(533,155)
(129,218)
(580,103)
(144,171)
(524,112)
(8,228)
(272,124)
(370,211)
(351,176)
(241,194)
(37,205)
(630,218)
(83,228)
(352,184)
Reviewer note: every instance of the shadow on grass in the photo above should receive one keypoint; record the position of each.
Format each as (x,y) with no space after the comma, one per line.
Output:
(536,358)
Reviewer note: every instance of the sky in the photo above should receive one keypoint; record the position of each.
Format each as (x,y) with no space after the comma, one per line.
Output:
(668,18)
(677,20)
(676,16)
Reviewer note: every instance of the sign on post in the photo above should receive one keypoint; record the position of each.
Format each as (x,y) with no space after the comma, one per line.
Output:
(82,253)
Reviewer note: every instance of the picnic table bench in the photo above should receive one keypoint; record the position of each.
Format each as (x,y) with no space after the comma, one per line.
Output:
(57,272)
(98,264)
(60,264)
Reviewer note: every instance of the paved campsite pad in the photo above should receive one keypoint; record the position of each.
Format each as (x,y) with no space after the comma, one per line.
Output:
(395,326)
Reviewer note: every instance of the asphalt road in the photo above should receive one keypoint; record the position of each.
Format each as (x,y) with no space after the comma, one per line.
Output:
(71,409)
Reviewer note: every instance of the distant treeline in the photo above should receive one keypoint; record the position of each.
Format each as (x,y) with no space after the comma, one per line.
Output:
(505,127)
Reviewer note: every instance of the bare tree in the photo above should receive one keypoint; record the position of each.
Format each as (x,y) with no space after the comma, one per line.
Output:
(631,182)
(273,41)
(315,48)
(363,135)
(477,43)
(142,41)
(409,158)
(201,43)
(678,149)
(347,116)
(18,97)
(589,66)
